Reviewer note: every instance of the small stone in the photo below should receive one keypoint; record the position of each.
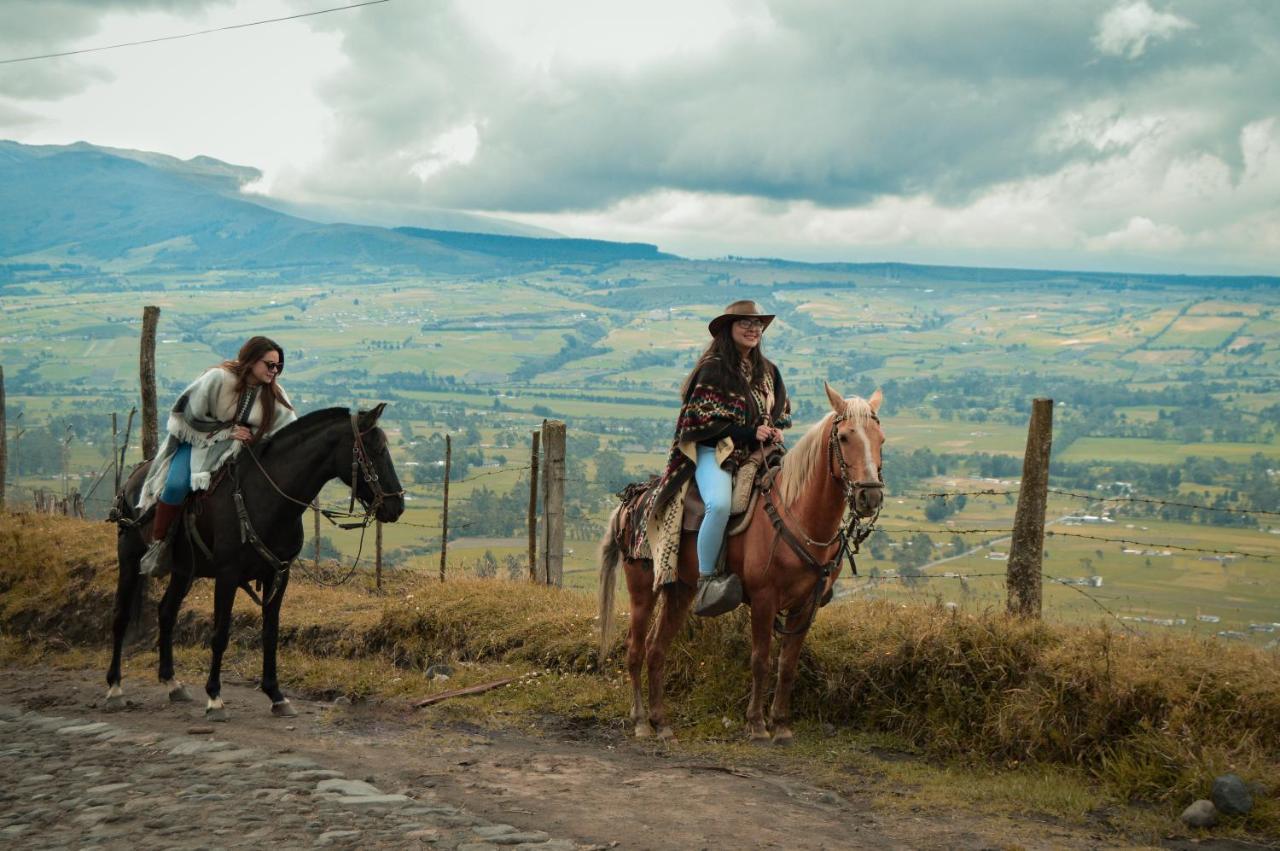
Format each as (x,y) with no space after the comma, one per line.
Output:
(342,786)
(439,672)
(1230,795)
(372,800)
(1202,813)
(329,836)
(488,831)
(342,700)
(314,774)
(521,838)
(109,787)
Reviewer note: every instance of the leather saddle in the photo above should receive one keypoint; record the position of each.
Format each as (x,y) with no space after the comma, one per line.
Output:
(760,468)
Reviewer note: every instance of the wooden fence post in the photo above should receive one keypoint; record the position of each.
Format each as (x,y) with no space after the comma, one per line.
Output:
(315,512)
(147,376)
(533,509)
(553,448)
(444,516)
(66,462)
(4,443)
(128,430)
(115,458)
(377,555)
(1026,551)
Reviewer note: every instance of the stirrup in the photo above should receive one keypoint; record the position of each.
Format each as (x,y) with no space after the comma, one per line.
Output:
(717,594)
(157,561)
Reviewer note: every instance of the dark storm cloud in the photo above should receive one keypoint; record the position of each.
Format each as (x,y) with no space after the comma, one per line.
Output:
(835,103)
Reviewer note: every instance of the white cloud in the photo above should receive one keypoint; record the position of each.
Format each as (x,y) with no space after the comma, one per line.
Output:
(1126,29)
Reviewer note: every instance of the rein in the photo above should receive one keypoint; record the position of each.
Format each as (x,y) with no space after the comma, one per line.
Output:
(359,463)
(853,530)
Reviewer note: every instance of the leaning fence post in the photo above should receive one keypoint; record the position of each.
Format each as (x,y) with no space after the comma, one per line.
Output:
(377,555)
(147,375)
(533,509)
(115,458)
(315,516)
(553,440)
(4,440)
(1026,551)
(444,515)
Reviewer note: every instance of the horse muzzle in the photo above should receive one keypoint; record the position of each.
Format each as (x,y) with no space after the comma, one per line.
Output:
(867,497)
(390,509)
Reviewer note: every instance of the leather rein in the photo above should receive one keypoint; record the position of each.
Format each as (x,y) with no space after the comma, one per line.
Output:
(850,534)
(360,464)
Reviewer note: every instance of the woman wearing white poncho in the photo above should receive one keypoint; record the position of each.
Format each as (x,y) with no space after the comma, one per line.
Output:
(234,403)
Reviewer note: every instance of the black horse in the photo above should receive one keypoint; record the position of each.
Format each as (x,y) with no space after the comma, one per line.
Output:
(248,529)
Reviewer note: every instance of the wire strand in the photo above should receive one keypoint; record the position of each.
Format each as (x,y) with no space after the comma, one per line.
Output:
(191,34)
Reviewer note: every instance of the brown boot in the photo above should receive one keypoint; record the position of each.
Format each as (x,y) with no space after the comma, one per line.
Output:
(156,560)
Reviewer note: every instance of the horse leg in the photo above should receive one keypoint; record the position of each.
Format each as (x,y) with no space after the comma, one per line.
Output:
(643,597)
(129,586)
(224,594)
(763,610)
(280,705)
(677,597)
(170,603)
(788,657)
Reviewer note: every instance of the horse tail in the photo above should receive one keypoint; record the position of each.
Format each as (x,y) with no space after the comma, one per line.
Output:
(610,556)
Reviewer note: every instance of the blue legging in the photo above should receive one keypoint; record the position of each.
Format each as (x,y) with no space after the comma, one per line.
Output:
(716,487)
(178,483)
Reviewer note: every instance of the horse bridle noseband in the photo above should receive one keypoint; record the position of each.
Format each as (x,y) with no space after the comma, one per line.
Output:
(360,462)
(850,534)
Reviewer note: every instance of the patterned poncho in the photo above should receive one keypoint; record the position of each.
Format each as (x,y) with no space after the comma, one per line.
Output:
(711,407)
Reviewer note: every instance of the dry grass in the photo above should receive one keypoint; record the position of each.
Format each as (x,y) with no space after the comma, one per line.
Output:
(1146,718)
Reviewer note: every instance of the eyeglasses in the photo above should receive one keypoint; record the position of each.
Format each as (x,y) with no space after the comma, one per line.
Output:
(750,324)
(273,365)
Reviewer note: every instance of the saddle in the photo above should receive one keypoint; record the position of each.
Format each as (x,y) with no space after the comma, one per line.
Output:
(759,469)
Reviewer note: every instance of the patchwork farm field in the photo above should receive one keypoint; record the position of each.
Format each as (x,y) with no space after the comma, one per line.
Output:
(1148,375)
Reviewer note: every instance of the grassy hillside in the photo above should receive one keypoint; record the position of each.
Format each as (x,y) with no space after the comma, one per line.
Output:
(1147,718)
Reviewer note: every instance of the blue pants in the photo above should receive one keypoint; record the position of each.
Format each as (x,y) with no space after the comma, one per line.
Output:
(716,487)
(178,484)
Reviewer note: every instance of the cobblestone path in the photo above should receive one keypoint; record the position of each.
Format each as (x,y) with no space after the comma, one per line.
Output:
(80,782)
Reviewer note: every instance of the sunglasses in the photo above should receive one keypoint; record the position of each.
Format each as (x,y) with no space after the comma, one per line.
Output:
(749,323)
(273,365)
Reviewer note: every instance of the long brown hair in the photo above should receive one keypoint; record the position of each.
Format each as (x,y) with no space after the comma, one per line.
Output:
(254,350)
(722,356)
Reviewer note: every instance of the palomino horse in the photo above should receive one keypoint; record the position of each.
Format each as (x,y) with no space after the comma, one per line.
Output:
(787,559)
(250,529)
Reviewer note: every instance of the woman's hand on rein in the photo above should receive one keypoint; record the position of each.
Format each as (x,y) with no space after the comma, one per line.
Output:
(764,434)
(241,433)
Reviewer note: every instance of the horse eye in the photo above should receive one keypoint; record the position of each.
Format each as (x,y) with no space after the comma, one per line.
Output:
(844,438)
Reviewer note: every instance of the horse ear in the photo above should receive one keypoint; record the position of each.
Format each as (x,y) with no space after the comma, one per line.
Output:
(368,418)
(875,400)
(836,400)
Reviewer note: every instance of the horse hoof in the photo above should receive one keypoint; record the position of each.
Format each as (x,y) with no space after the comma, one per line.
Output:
(283,709)
(759,739)
(215,714)
(782,741)
(666,734)
(180,695)
(115,703)
(644,730)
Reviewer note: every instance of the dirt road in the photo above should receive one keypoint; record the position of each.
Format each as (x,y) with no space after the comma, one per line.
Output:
(155,775)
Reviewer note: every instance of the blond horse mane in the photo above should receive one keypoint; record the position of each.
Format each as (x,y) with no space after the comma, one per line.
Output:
(799,464)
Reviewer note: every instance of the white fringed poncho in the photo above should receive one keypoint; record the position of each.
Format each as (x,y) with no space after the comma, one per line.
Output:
(203,416)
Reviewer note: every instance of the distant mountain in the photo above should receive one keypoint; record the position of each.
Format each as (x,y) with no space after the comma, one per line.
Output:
(145,211)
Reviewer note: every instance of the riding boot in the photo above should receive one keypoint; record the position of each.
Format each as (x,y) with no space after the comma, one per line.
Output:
(157,560)
(717,594)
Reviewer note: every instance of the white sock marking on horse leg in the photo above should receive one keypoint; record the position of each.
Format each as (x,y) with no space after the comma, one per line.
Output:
(214,703)
(115,691)
(172,684)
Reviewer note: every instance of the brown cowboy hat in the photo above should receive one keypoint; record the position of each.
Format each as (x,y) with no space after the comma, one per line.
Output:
(743,309)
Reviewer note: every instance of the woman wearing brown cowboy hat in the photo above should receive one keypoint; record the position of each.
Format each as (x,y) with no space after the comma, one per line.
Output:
(733,402)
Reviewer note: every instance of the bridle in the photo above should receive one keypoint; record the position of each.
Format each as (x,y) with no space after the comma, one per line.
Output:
(855,529)
(360,463)
(850,534)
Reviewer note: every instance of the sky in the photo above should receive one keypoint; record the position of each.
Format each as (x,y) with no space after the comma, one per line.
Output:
(1126,135)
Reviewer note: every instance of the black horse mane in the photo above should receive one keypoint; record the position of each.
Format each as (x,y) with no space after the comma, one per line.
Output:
(303,428)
